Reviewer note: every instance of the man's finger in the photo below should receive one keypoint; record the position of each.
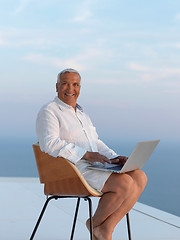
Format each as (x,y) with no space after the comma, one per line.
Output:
(115,160)
(102,161)
(105,159)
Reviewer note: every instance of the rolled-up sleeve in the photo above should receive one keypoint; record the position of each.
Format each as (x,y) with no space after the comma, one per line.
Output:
(47,129)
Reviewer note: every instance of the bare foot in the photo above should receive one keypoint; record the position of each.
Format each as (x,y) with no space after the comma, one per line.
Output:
(99,233)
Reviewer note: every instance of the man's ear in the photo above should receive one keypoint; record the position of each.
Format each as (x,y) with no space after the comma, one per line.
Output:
(56,87)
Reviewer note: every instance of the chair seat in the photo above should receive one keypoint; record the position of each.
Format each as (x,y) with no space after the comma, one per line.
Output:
(64,188)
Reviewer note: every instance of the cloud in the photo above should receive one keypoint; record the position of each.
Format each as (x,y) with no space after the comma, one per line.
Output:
(22,5)
(82,61)
(172,45)
(177,17)
(138,67)
(2,43)
(84,12)
(174,71)
(149,74)
(142,68)
(55,62)
(14,37)
(88,53)
(83,16)
(41,38)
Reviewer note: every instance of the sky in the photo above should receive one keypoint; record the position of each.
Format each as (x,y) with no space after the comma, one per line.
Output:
(127,52)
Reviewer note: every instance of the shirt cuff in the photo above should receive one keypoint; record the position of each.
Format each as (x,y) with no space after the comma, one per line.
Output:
(114,156)
(74,156)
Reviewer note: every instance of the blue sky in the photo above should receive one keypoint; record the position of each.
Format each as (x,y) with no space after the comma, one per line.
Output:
(128,53)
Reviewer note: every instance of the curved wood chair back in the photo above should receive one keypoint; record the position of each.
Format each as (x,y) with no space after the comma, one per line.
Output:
(60,176)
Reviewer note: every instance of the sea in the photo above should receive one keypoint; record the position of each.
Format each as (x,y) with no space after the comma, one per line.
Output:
(162,169)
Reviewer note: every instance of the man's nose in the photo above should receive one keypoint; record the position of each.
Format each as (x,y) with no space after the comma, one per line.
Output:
(70,87)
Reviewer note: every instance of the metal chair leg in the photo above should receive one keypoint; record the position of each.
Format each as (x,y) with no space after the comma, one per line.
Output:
(40,216)
(128,226)
(75,218)
(90,217)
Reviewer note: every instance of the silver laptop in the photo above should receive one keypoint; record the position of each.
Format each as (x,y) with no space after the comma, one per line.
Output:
(136,160)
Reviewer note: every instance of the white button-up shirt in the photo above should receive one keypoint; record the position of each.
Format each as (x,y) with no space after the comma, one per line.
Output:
(67,133)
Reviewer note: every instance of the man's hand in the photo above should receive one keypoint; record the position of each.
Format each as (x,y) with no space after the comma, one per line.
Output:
(119,160)
(96,157)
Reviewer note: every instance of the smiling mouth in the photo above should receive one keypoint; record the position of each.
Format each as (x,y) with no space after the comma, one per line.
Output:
(69,95)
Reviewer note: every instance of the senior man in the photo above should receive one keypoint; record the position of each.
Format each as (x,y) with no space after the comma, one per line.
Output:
(64,130)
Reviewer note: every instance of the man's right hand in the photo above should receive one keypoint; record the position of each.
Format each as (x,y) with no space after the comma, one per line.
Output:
(96,157)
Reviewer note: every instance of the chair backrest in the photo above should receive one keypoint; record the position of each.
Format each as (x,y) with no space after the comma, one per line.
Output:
(60,176)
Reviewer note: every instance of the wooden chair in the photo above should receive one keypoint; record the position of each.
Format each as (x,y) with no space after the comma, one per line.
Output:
(62,179)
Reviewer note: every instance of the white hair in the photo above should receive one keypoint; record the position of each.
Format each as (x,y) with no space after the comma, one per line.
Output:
(67,70)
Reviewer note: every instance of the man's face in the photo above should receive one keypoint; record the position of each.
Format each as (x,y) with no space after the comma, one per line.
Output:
(68,88)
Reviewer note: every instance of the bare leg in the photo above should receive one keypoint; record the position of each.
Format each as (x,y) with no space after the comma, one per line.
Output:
(121,191)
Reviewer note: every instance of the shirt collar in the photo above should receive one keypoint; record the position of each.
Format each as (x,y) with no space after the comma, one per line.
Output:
(63,106)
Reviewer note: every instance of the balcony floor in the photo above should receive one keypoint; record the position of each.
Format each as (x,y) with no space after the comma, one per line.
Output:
(22,201)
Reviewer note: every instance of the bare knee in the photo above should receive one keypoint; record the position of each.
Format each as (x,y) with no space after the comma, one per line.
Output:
(140,178)
(121,184)
(127,183)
